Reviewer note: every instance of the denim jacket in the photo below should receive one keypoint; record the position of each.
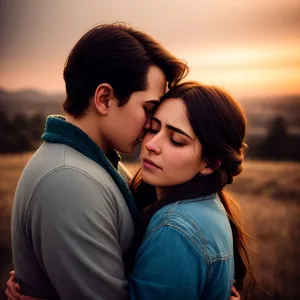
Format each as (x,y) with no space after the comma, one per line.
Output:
(187,253)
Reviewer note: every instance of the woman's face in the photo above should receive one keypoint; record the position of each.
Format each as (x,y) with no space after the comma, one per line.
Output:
(171,153)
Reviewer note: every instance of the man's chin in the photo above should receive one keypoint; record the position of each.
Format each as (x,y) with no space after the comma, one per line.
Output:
(127,151)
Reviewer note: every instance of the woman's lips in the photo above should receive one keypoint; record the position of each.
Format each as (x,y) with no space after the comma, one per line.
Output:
(148,163)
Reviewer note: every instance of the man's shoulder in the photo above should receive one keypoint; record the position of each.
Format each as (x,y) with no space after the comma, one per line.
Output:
(57,169)
(53,159)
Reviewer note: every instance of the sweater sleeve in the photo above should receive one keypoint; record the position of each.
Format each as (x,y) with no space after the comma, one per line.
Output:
(72,222)
(168,266)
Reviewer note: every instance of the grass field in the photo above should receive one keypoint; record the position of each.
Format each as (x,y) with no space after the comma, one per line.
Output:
(269,195)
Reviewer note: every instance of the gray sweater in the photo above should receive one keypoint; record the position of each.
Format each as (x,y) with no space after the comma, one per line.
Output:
(70,226)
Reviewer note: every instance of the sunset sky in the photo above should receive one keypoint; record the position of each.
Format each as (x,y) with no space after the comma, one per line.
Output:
(247,47)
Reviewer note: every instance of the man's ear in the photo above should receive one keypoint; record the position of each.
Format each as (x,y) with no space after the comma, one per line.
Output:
(102,98)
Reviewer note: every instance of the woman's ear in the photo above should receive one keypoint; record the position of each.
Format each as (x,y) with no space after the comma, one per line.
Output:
(206,171)
(102,98)
(209,167)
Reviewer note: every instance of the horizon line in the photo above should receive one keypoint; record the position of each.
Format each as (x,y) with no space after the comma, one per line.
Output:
(256,94)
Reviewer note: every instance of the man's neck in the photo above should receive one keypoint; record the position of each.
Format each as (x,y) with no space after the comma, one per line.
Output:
(87,125)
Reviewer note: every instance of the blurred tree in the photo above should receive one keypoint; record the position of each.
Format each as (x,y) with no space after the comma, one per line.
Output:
(276,144)
(20,133)
(37,124)
(20,121)
(7,132)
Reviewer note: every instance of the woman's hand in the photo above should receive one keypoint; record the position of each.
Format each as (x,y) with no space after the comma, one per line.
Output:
(13,289)
(234,294)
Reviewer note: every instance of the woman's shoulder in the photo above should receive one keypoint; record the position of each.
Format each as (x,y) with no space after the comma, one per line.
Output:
(191,212)
(203,221)
(204,211)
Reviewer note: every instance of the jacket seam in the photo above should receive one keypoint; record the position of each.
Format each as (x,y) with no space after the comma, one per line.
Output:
(203,245)
(221,257)
(170,211)
(191,239)
(161,224)
(205,198)
(211,257)
(194,225)
(206,259)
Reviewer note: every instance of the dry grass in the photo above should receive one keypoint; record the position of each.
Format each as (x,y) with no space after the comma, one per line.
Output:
(276,180)
(11,167)
(269,195)
(275,249)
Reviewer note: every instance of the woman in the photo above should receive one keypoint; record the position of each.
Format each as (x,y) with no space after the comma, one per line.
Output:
(189,242)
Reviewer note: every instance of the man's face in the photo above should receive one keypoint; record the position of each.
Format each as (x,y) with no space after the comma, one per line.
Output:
(126,123)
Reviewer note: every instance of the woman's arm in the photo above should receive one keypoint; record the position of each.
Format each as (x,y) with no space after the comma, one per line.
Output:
(12,291)
(12,288)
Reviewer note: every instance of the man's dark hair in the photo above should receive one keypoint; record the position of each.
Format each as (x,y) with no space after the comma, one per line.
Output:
(119,55)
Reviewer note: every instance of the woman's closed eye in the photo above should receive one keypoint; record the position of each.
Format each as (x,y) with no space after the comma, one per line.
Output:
(152,130)
(175,143)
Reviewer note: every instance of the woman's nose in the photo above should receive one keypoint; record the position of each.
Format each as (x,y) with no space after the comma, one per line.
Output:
(153,145)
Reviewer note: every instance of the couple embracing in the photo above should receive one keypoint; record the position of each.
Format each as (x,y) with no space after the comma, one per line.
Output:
(84,228)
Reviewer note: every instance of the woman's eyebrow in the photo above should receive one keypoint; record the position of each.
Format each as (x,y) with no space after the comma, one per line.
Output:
(172,128)
(178,130)
(156,120)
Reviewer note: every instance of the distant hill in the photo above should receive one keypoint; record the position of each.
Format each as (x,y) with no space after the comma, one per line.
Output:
(260,111)
(29,102)
(22,120)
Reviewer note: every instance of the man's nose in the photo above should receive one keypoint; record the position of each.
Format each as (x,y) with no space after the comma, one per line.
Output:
(147,124)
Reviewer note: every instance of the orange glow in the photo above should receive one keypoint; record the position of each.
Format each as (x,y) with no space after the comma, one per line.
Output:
(258,80)
(246,71)
(246,47)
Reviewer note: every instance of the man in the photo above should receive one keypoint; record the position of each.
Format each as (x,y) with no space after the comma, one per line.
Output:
(73,213)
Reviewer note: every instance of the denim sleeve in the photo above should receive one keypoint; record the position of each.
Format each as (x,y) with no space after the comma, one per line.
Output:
(168,266)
